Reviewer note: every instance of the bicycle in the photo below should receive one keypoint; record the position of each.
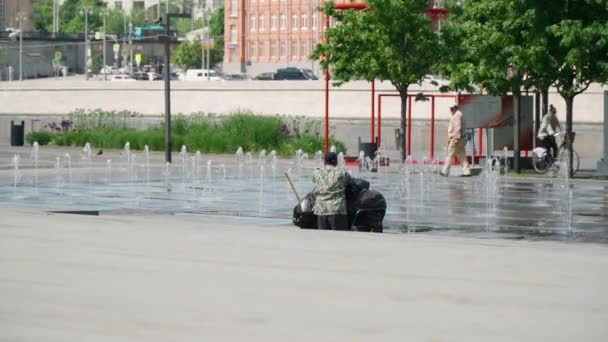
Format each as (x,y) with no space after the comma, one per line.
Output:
(542,160)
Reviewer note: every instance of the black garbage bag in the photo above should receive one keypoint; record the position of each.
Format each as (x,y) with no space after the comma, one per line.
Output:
(303,215)
(369,210)
(353,189)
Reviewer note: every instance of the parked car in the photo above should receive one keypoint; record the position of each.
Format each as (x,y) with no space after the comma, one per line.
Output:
(141,76)
(152,76)
(236,77)
(265,76)
(201,75)
(122,78)
(291,73)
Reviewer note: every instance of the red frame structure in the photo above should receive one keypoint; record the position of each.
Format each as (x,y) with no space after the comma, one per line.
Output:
(409,121)
(436,14)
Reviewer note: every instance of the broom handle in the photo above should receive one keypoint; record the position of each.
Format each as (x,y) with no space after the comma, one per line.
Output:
(293,188)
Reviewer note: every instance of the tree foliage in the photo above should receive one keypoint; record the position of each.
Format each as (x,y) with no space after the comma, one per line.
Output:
(564,44)
(393,40)
(217,33)
(188,55)
(43,20)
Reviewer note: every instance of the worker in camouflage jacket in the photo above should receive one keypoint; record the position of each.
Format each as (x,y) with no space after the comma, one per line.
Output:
(330,183)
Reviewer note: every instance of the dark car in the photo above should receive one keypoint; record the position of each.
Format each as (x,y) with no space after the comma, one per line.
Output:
(291,73)
(141,76)
(265,76)
(236,77)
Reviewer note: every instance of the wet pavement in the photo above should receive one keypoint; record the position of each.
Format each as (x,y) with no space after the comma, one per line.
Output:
(419,200)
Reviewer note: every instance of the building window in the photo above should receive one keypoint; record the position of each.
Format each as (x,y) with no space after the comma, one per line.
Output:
(273,22)
(283,22)
(233,7)
(252,23)
(314,21)
(233,34)
(294,49)
(261,51)
(118,4)
(273,48)
(304,49)
(304,22)
(262,23)
(139,5)
(252,49)
(294,22)
(283,49)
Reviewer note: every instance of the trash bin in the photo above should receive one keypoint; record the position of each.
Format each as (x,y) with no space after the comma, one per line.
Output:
(17,133)
(369,149)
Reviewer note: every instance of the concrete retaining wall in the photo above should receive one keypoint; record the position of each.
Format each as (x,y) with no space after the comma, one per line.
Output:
(267,97)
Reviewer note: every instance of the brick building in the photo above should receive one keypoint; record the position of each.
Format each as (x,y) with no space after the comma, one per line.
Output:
(263,35)
(9,18)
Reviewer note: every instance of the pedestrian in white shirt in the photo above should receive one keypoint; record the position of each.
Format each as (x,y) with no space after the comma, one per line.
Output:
(456,143)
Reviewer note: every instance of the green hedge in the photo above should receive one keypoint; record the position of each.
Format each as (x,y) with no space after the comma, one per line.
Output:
(42,137)
(224,134)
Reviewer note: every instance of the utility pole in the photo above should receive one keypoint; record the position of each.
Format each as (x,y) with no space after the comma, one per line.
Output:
(167,76)
(55,17)
(104,14)
(86,10)
(131,46)
(21,16)
(208,45)
(124,40)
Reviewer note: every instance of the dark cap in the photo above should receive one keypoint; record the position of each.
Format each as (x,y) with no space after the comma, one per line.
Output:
(331,158)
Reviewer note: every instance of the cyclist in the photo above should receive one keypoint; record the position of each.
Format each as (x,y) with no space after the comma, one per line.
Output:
(549,128)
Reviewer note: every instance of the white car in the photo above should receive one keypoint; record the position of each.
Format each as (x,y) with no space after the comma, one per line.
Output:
(122,78)
(201,75)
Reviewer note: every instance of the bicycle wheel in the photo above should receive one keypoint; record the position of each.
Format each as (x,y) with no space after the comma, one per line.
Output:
(541,164)
(564,157)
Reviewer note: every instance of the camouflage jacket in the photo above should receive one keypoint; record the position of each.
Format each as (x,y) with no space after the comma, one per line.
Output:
(329,186)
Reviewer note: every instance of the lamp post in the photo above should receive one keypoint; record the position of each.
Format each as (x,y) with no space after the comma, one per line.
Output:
(55,17)
(167,77)
(21,16)
(130,46)
(208,60)
(85,11)
(104,14)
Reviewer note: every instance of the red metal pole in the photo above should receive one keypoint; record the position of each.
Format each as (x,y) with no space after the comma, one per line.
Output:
(379,120)
(409,125)
(327,92)
(432,127)
(373,114)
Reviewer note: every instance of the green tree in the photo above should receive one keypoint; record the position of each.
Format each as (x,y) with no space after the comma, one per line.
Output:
(217,33)
(564,45)
(72,18)
(116,21)
(188,55)
(139,18)
(581,53)
(393,40)
(43,20)
(186,25)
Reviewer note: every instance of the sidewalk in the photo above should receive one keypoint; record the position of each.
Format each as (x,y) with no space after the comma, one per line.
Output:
(186,278)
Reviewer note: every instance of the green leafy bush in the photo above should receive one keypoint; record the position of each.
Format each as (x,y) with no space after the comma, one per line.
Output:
(42,137)
(208,134)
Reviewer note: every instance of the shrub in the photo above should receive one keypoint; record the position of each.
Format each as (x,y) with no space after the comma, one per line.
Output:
(42,137)
(208,134)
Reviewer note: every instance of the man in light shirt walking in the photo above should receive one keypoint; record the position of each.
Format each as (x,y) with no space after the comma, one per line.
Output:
(456,143)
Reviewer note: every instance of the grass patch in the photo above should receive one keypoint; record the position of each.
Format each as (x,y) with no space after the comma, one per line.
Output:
(208,134)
